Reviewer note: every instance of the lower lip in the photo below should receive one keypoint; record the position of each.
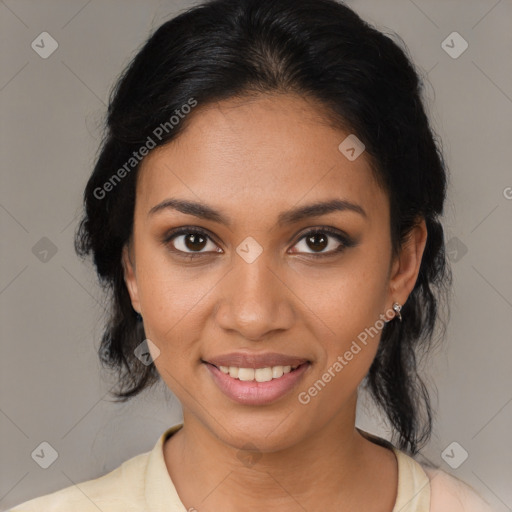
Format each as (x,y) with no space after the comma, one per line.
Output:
(256,393)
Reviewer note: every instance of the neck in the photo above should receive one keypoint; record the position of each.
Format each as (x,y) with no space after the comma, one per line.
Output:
(330,466)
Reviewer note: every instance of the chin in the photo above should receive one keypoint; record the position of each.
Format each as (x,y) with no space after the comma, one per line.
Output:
(263,433)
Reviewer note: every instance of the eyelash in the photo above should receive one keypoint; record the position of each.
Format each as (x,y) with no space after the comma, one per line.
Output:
(346,242)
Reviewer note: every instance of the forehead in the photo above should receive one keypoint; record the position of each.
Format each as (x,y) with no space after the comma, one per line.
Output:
(252,154)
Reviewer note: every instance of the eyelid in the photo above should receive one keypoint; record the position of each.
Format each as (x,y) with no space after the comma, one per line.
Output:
(345,240)
(185,230)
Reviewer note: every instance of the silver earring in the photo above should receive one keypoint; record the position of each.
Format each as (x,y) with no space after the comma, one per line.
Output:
(397,307)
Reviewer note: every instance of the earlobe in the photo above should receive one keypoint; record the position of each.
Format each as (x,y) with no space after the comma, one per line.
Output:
(407,267)
(130,278)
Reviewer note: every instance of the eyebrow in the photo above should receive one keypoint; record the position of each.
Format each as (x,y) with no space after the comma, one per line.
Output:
(294,215)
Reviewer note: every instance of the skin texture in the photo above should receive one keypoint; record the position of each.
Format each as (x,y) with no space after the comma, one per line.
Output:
(253,159)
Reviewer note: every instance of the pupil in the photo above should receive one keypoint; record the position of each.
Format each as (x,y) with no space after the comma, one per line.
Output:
(321,245)
(194,239)
(195,242)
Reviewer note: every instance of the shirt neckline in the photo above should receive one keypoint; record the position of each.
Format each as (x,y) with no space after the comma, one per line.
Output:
(413,490)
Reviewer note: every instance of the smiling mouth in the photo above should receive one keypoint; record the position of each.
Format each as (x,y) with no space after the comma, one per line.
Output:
(259,385)
(265,374)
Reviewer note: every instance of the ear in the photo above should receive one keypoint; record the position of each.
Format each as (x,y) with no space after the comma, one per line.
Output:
(406,266)
(130,278)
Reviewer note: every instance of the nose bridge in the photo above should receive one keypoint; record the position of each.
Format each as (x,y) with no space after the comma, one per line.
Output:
(254,301)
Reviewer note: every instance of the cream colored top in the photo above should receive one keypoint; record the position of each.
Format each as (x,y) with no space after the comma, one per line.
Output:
(143,484)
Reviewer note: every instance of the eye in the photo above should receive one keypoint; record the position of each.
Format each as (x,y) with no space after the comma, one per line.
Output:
(190,242)
(319,239)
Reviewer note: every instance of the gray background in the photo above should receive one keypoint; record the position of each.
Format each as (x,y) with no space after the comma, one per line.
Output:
(51,306)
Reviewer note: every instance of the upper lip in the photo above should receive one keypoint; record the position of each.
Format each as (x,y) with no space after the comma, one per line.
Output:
(244,360)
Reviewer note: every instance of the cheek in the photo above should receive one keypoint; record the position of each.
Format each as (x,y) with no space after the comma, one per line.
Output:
(172,299)
(348,328)
(346,298)
(346,303)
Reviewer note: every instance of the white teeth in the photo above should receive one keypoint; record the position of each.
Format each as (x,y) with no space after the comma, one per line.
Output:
(277,371)
(263,374)
(246,373)
(258,374)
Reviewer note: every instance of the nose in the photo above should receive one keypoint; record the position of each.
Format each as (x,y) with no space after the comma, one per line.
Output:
(254,301)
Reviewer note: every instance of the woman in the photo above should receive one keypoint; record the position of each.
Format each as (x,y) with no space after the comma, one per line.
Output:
(265,211)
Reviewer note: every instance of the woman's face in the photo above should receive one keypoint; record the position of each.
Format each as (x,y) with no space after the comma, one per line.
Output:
(255,281)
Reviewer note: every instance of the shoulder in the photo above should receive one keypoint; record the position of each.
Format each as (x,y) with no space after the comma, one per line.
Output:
(450,494)
(120,490)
